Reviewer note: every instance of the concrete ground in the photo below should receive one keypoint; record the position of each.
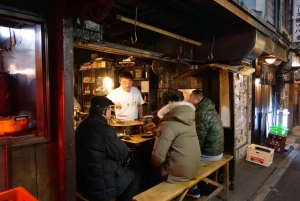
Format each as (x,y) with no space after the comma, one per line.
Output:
(259,183)
(287,188)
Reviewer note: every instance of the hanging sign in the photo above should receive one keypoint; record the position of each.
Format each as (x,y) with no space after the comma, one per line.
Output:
(296,21)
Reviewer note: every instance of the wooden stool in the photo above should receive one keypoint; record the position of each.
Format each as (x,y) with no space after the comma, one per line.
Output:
(79,197)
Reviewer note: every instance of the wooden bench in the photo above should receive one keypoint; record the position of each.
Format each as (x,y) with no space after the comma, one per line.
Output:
(168,191)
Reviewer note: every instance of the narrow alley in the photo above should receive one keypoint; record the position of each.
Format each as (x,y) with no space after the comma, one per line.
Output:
(278,182)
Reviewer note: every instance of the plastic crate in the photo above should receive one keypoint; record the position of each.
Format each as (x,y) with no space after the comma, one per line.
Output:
(17,194)
(276,142)
(260,155)
(279,130)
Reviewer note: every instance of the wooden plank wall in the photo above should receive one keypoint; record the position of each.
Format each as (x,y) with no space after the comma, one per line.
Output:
(35,168)
(5,164)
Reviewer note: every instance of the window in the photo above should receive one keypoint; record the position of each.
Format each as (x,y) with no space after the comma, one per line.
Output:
(286,13)
(23,56)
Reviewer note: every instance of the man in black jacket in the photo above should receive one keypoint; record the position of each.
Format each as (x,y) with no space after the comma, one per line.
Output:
(100,175)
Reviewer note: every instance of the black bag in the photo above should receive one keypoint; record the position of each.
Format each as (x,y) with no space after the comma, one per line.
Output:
(5,93)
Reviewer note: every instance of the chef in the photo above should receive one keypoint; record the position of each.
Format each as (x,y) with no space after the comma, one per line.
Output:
(127,99)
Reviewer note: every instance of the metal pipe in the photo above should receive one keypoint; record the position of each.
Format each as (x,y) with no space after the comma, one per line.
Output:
(152,28)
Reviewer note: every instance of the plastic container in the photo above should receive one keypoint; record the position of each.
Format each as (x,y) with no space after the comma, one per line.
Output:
(279,130)
(260,155)
(17,194)
(276,142)
(10,125)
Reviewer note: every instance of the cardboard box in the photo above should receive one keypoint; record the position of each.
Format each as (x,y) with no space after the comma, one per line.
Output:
(260,155)
(101,63)
(144,86)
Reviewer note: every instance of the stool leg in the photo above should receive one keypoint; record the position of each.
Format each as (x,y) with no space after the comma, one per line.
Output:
(226,180)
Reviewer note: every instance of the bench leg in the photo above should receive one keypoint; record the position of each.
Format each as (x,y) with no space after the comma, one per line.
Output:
(214,176)
(226,180)
(183,194)
(218,190)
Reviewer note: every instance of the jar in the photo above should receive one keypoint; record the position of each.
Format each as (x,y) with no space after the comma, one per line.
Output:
(148,126)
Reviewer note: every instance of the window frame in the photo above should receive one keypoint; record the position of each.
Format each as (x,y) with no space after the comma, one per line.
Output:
(42,131)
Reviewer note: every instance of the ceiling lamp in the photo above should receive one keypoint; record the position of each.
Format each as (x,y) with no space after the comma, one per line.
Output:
(270,60)
(277,62)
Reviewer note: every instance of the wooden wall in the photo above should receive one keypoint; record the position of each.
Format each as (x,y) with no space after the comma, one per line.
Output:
(47,169)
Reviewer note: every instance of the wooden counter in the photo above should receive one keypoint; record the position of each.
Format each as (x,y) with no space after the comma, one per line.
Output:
(125,123)
(137,140)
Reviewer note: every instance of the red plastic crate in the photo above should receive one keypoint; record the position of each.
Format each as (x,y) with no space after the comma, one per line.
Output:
(276,142)
(17,194)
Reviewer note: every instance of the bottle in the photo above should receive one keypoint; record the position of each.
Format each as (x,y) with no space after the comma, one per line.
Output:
(88,89)
(148,126)
(145,98)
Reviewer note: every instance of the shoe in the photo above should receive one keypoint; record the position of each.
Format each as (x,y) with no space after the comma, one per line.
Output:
(194,193)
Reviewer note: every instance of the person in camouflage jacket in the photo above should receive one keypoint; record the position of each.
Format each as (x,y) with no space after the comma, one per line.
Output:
(208,126)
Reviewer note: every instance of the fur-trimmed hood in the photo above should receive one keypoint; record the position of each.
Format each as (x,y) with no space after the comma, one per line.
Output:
(183,111)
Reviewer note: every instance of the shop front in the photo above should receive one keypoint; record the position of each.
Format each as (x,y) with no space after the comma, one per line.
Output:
(159,42)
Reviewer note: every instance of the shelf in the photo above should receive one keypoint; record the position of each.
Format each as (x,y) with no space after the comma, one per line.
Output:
(89,69)
(88,82)
(88,94)
(140,79)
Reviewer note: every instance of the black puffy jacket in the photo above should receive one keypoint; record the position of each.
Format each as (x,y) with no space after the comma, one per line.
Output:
(209,128)
(99,155)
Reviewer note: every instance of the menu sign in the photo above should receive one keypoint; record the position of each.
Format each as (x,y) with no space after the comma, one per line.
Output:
(296,21)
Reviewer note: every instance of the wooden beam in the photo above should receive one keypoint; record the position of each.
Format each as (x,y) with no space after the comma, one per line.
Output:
(152,28)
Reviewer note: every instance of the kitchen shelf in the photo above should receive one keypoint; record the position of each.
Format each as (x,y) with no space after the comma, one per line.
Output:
(92,80)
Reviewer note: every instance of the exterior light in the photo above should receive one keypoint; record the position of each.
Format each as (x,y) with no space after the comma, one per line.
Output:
(270,60)
(277,62)
(257,81)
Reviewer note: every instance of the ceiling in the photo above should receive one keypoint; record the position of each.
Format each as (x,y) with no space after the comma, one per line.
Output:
(196,20)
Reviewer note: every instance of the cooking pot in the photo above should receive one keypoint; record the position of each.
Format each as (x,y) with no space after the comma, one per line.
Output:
(9,125)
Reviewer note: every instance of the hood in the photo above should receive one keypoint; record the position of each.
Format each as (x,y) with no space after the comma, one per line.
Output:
(180,111)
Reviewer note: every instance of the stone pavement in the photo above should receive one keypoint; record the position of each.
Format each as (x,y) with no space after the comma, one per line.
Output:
(287,188)
(283,184)
(254,182)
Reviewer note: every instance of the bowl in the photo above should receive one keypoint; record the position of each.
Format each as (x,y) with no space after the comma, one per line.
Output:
(121,135)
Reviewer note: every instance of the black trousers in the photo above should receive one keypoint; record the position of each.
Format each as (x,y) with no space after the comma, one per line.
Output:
(132,189)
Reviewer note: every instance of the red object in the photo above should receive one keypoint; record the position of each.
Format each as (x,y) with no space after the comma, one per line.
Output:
(17,194)
(9,125)
(257,160)
(276,142)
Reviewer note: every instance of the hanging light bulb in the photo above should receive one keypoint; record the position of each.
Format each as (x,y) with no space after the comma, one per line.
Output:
(107,84)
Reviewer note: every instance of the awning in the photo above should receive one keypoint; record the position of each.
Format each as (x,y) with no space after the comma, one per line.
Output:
(195,70)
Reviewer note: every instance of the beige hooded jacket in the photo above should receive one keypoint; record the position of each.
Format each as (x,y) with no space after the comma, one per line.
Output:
(176,147)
